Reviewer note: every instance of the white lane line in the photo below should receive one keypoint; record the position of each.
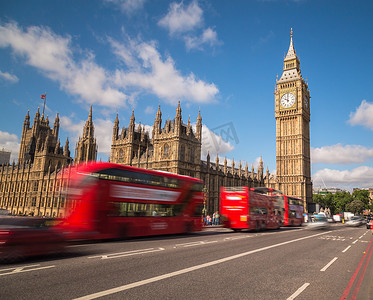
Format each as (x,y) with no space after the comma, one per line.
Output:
(299,291)
(329,264)
(354,242)
(22,269)
(29,266)
(237,238)
(346,249)
(361,236)
(127,253)
(190,269)
(194,244)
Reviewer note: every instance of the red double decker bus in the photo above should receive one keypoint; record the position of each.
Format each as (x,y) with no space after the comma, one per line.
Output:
(293,214)
(244,208)
(291,208)
(108,201)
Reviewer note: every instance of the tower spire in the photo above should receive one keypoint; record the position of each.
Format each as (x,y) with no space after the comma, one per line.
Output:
(90,114)
(291,52)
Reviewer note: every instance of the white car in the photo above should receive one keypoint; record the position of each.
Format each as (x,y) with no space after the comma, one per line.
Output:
(355,221)
(318,222)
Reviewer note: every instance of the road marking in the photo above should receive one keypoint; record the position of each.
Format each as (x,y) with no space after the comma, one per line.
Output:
(358,284)
(237,238)
(192,244)
(354,242)
(191,269)
(351,282)
(23,269)
(299,291)
(127,253)
(346,249)
(333,238)
(329,264)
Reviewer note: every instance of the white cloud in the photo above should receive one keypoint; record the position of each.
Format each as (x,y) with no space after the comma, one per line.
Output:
(181,18)
(159,76)
(52,54)
(186,22)
(341,154)
(8,77)
(209,36)
(103,128)
(76,129)
(128,6)
(363,115)
(213,143)
(146,70)
(361,177)
(10,142)
(149,110)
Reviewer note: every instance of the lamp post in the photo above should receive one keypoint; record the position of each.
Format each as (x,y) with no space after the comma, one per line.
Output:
(205,191)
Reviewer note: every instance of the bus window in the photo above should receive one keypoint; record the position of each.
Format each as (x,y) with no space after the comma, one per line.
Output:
(126,209)
(137,178)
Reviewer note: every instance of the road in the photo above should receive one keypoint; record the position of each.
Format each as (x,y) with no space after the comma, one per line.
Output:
(291,263)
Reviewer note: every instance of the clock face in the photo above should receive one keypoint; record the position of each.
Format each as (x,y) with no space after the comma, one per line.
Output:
(287,100)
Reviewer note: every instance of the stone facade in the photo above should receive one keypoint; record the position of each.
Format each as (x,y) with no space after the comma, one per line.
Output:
(37,184)
(176,148)
(292,113)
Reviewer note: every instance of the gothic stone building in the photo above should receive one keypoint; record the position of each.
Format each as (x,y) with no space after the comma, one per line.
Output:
(36,185)
(176,148)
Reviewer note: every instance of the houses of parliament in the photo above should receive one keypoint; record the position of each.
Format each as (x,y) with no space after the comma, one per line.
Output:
(37,184)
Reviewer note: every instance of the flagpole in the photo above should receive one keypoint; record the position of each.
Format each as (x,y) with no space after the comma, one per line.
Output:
(45,99)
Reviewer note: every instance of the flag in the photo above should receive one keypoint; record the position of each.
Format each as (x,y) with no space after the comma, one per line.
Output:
(42,96)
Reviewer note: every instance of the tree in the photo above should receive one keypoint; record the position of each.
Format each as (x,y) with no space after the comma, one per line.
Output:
(340,200)
(356,206)
(325,201)
(361,195)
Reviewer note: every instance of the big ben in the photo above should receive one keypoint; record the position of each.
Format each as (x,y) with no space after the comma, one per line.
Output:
(292,113)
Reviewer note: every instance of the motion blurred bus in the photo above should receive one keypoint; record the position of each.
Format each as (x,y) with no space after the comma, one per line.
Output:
(291,208)
(110,201)
(245,208)
(294,209)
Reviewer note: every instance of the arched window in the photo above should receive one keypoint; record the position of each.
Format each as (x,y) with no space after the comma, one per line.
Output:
(191,158)
(166,150)
(121,154)
(182,153)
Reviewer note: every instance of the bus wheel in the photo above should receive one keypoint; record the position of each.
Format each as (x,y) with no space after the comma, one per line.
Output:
(236,229)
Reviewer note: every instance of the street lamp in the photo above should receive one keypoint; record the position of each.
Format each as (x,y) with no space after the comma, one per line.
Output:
(205,191)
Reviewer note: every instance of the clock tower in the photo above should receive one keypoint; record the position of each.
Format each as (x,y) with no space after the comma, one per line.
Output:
(292,113)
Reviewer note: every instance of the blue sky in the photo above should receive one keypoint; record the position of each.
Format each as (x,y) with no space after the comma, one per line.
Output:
(219,57)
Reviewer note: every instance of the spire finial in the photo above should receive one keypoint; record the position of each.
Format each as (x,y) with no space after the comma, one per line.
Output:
(291,32)
(90,113)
